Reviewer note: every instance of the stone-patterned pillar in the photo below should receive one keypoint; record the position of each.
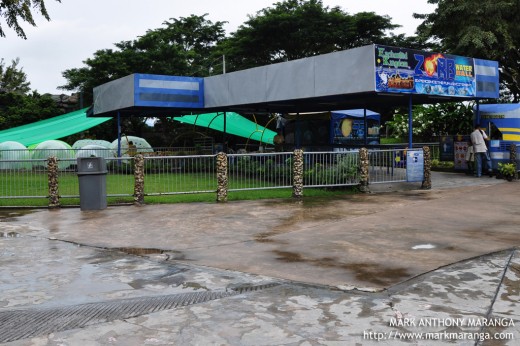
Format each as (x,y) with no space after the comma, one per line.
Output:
(52,171)
(138,179)
(512,158)
(363,170)
(297,173)
(222,177)
(427,180)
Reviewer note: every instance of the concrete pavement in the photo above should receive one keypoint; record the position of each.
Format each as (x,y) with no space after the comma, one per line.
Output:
(348,270)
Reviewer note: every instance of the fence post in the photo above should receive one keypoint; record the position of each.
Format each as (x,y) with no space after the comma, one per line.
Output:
(297,173)
(427,180)
(222,177)
(138,179)
(512,159)
(52,171)
(363,170)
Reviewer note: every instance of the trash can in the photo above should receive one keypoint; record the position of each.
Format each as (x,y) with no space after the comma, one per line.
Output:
(92,173)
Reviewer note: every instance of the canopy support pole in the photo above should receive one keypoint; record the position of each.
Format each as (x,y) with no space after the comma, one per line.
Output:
(298,139)
(477,116)
(410,125)
(118,135)
(365,126)
(224,136)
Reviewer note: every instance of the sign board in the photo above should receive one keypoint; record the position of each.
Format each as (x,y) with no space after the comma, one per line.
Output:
(461,148)
(168,91)
(446,148)
(414,165)
(403,70)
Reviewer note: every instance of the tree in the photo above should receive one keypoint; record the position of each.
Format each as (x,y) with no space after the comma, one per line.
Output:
(433,120)
(13,79)
(184,48)
(15,10)
(18,109)
(487,29)
(295,29)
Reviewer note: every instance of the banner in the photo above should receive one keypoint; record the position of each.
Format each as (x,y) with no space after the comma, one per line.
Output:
(402,70)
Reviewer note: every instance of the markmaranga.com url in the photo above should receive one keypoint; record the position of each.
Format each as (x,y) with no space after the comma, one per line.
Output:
(398,335)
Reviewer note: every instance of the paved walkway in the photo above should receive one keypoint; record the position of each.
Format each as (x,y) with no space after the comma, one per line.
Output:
(319,271)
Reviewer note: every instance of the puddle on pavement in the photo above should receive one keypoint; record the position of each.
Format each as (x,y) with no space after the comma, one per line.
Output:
(10,215)
(512,286)
(173,278)
(264,237)
(194,285)
(10,235)
(289,257)
(296,218)
(375,274)
(139,251)
(416,196)
(365,272)
(172,255)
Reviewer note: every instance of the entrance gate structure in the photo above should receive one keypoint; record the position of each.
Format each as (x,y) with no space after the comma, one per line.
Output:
(372,76)
(365,77)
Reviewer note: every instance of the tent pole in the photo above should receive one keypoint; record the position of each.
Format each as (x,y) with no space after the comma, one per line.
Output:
(224,137)
(477,117)
(118,135)
(365,125)
(298,140)
(410,125)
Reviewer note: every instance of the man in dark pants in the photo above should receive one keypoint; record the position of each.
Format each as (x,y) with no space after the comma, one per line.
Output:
(478,138)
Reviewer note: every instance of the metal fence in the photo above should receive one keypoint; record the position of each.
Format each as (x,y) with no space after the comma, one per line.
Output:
(326,169)
(23,178)
(168,175)
(387,166)
(259,171)
(185,174)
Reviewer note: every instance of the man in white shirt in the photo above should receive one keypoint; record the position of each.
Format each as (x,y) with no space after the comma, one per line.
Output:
(478,138)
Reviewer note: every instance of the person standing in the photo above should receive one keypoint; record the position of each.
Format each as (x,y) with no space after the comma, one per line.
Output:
(478,138)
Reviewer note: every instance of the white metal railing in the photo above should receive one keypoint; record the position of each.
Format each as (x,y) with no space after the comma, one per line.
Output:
(23,178)
(168,175)
(322,169)
(387,166)
(183,174)
(259,171)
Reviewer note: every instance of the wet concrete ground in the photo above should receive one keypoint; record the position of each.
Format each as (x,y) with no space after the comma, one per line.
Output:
(345,268)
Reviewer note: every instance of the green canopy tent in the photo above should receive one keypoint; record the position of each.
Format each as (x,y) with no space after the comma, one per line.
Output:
(235,124)
(52,128)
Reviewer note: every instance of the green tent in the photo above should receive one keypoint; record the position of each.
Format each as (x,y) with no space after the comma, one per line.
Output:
(235,125)
(53,128)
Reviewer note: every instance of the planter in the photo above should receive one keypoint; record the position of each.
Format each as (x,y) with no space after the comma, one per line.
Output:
(507,170)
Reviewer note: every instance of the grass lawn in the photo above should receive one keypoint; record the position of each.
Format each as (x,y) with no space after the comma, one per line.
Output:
(30,183)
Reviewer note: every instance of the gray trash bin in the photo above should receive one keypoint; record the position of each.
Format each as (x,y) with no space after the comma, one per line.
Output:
(92,174)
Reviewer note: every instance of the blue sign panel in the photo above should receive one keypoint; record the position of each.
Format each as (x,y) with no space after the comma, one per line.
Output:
(486,72)
(414,165)
(168,91)
(404,70)
(447,148)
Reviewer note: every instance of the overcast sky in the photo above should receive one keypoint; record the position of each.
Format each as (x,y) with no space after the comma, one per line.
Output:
(78,28)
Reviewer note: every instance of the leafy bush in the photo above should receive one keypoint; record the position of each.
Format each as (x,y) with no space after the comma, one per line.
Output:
(344,170)
(442,165)
(507,170)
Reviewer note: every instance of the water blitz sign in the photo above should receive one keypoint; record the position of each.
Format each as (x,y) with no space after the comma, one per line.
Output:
(404,70)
